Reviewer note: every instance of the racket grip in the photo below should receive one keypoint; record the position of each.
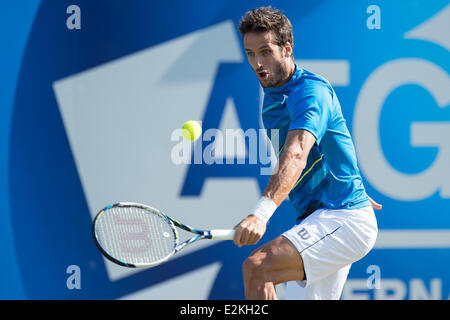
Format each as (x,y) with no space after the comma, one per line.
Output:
(221,234)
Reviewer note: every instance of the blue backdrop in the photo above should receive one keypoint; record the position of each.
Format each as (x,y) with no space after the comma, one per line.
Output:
(175,60)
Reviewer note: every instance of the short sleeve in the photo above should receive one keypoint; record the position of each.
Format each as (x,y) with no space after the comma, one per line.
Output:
(310,110)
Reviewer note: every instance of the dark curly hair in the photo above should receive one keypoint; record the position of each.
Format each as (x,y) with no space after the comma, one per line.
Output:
(268,19)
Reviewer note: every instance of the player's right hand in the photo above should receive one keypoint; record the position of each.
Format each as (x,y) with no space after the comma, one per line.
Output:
(249,231)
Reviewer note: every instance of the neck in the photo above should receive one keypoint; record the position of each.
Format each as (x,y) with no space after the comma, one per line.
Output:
(290,73)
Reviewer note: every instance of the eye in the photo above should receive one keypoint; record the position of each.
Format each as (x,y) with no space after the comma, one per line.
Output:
(266,52)
(250,54)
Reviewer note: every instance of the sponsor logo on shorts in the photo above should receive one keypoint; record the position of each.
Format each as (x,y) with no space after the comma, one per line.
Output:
(304,235)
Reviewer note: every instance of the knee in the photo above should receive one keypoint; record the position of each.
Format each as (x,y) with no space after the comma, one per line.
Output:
(254,267)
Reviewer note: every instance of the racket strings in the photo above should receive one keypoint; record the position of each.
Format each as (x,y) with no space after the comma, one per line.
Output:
(135,236)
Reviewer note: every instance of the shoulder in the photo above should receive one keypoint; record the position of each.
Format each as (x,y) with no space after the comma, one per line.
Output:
(311,85)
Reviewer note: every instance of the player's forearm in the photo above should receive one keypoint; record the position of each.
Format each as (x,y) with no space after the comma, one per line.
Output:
(290,167)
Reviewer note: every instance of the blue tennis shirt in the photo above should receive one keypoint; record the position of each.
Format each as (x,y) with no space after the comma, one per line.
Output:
(331,177)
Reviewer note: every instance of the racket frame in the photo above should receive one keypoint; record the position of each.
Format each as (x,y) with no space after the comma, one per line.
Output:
(199,234)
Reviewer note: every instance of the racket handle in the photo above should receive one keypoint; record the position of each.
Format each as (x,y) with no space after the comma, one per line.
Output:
(221,234)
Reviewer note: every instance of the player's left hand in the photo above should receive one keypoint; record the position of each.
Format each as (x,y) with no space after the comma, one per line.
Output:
(249,231)
(374,204)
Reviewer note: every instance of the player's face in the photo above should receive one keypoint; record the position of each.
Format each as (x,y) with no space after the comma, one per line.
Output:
(271,63)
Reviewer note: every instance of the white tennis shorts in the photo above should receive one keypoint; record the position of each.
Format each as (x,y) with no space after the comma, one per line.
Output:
(329,241)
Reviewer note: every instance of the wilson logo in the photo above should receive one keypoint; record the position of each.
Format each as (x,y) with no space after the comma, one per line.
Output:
(304,235)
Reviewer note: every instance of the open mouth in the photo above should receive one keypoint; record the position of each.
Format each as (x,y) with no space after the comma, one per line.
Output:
(263,75)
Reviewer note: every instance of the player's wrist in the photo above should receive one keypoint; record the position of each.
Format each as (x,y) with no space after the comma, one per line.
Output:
(264,209)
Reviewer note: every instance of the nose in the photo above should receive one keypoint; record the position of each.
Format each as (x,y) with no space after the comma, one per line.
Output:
(258,63)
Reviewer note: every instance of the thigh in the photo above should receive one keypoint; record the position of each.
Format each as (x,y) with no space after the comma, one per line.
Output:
(280,261)
(328,288)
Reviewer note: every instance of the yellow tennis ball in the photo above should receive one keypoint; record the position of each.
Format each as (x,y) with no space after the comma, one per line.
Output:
(191,130)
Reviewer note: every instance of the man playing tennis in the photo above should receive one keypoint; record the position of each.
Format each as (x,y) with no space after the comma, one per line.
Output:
(317,169)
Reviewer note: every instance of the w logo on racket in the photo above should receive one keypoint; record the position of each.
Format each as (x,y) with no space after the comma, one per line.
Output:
(132,235)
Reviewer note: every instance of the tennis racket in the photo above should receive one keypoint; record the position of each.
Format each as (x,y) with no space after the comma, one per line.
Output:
(138,236)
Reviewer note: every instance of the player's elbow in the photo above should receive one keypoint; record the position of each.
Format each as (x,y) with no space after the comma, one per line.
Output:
(297,156)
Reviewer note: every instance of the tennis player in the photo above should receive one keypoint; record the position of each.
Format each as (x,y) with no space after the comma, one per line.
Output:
(317,169)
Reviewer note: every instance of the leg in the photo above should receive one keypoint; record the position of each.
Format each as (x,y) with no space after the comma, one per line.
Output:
(329,288)
(275,262)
